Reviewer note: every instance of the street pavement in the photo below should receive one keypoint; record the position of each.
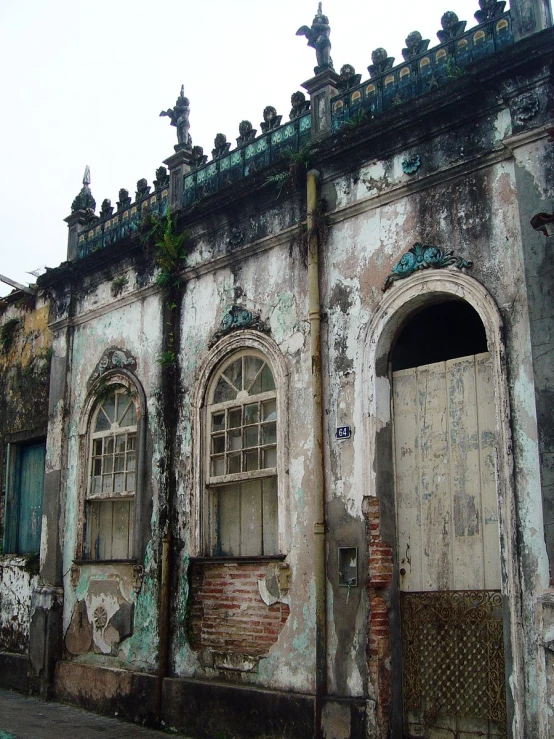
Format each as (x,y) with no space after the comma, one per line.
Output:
(22,717)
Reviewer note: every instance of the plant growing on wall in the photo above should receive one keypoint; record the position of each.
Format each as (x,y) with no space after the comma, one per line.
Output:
(8,332)
(294,176)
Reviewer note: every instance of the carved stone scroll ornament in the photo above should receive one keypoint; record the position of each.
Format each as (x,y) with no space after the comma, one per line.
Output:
(138,577)
(423,256)
(113,358)
(238,318)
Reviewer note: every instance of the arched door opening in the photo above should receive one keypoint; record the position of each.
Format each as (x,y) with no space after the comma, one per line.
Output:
(447,536)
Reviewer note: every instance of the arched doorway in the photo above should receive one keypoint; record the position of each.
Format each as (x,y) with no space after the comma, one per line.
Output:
(408,301)
(447,537)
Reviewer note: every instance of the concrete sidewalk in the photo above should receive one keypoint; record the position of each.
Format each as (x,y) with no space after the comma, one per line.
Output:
(22,717)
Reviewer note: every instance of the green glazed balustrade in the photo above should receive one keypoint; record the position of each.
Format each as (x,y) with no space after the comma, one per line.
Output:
(121,224)
(247,159)
(431,69)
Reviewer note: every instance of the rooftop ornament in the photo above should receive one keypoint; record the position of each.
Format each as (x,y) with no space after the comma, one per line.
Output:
(221,146)
(106,209)
(162,178)
(199,159)
(451,27)
(247,133)
(348,78)
(179,117)
(143,189)
(84,200)
(382,62)
(415,45)
(271,119)
(299,105)
(318,38)
(489,9)
(124,200)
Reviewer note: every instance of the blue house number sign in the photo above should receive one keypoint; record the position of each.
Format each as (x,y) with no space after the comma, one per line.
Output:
(343,432)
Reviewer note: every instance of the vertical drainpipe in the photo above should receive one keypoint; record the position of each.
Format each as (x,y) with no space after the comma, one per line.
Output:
(164,619)
(318,472)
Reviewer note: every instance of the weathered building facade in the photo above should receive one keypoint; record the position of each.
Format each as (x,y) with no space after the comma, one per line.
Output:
(299,447)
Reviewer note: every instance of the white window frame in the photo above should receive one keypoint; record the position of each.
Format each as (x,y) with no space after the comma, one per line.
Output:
(113,381)
(227,350)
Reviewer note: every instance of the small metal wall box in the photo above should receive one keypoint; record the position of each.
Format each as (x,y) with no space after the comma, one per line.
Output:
(348,567)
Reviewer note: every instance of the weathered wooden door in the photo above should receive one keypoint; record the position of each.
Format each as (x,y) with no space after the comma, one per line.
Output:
(31,481)
(448,549)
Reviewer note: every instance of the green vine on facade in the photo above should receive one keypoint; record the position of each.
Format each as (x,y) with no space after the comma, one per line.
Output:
(294,176)
(8,332)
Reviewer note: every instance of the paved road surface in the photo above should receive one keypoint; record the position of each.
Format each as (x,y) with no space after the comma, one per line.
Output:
(22,717)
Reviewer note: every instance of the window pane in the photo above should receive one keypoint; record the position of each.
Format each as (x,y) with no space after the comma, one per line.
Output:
(120,443)
(252,366)
(224,391)
(97,447)
(97,485)
(218,444)
(269,410)
(127,412)
(130,482)
(131,441)
(269,457)
(218,421)
(267,380)
(234,418)
(251,461)
(119,480)
(97,466)
(233,463)
(122,529)
(233,373)
(109,445)
(107,484)
(108,464)
(251,518)
(119,462)
(108,406)
(251,436)
(270,517)
(234,439)
(218,466)
(102,422)
(251,414)
(131,461)
(227,521)
(269,433)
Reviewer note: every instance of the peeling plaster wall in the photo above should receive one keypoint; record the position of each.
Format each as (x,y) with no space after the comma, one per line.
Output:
(467,196)
(24,372)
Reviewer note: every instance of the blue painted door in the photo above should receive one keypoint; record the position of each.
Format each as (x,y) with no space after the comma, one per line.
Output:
(29,494)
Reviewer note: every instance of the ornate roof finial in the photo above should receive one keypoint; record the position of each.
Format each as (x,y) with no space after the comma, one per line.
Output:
(179,117)
(84,200)
(318,39)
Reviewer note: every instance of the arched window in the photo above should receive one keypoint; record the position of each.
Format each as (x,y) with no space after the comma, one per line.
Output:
(111,483)
(241,505)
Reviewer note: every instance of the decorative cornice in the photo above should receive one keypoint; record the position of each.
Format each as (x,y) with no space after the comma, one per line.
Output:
(423,256)
(238,318)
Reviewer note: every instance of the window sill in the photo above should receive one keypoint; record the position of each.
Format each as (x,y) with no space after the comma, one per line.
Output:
(81,562)
(255,558)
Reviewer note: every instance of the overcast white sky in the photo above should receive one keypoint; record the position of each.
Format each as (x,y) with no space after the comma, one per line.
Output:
(84,83)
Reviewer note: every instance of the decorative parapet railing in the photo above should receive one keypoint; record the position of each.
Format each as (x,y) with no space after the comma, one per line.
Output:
(247,159)
(421,73)
(125,221)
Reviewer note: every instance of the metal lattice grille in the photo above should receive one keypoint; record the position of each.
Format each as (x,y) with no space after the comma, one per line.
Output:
(453,654)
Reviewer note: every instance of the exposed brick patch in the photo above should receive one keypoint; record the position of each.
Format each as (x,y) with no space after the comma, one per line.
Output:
(380,569)
(228,614)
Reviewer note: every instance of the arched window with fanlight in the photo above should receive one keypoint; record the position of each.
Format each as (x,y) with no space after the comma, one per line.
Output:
(241,504)
(112,476)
